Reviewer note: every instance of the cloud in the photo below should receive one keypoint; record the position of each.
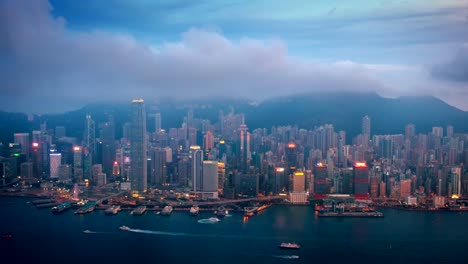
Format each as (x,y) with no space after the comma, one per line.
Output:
(456,69)
(47,67)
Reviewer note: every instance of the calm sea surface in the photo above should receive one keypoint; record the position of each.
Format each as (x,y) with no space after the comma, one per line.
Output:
(399,237)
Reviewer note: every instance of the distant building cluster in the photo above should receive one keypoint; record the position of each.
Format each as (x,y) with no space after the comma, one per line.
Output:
(226,159)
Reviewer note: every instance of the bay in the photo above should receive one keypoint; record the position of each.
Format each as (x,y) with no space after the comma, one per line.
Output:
(399,237)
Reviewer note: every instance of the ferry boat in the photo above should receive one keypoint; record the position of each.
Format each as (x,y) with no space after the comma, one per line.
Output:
(88,208)
(221,211)
(289,245)
(7,236)
(167,210)
(194,210)
(139,210)
(125,228)
(61,207)
(114,209)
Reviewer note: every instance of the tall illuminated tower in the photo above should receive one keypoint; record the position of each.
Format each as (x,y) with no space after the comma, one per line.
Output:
(77,164)
(291,157)
(366,125)
(244,151)
(89,146)
(157,122)
(196,168)
(138,159)
(361,180)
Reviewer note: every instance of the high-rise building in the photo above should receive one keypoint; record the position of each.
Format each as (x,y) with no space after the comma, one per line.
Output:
(138,156)
(97,168)
(361,180)
(65,173)
(298,182)
(405,188)
(449,131)
(36,157)
(290,154)
(374,186)
(55,162)
(108,145)
(158,175)
(244,148)
(101,179)
(209,141)
(410,131)
(221,177)
(209,187)
(456,181)
(366,125)
(77,164)
(321,186)
(438,131)
(196,168)
(23,140)
(89,146)
(26,170)
(157,123)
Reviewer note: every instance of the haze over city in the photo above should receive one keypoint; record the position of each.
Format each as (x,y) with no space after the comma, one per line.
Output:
(61,55)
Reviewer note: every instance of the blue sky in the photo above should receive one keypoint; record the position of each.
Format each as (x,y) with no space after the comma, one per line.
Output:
(86,51)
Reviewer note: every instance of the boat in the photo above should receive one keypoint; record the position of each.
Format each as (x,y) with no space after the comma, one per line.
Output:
(124,228)
(61,207)
(139,210)
(157,212)
(214,219)
(7,236)
(87,208)
(289,245)
(114,209)
(194,210)
(86,231)
(167,210)
(221,211)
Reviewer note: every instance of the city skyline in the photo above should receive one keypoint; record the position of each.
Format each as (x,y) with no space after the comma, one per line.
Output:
(60,55)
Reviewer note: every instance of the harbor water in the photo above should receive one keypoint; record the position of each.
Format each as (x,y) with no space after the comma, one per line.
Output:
(398,237)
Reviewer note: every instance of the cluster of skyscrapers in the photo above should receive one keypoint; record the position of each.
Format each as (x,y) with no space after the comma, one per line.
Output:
(223,158)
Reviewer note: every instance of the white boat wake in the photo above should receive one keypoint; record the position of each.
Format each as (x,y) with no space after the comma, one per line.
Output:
(211,220)
(286,256)
(91,232)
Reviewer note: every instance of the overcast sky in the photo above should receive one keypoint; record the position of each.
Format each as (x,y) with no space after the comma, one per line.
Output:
(60,55)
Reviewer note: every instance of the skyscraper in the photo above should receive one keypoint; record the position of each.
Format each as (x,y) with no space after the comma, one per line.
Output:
(209,141)
(138,159)
(321,186)
(55,162)
(196,168)
(361,180)
(291,157)
(108,146)
(244,148)
(410,131)
(23,140)
(158,166)
(157,120)
(366,125)
(77,164)
(210,179)
(89,146)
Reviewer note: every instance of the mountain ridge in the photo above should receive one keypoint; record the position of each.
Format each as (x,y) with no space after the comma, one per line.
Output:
(343,110)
